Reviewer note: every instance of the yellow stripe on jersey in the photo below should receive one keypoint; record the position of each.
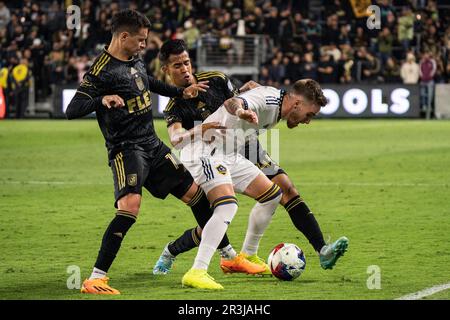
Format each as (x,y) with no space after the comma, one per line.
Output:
(85,94)
(170,105)
(207,75)
(98,62)
(100,67)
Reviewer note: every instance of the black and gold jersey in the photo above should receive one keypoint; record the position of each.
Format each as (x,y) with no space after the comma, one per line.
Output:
(129,126)
(196,110)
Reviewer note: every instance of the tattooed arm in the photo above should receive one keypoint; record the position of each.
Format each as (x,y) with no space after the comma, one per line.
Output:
(235,106)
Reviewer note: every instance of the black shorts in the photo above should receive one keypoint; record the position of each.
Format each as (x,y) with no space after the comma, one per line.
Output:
(157,170)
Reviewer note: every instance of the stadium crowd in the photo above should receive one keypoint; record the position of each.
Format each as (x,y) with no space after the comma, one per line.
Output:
(330,45)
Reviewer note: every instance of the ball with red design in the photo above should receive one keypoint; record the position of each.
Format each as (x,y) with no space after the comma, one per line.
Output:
(287,261)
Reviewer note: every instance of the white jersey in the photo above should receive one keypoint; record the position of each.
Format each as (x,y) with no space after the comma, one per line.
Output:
(219,162)
(264,101)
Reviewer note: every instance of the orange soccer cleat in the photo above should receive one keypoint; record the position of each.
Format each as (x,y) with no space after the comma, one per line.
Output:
(98,286)
(240,265)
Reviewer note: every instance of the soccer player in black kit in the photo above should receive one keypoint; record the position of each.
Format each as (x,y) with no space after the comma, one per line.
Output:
(182,115)
(118,89)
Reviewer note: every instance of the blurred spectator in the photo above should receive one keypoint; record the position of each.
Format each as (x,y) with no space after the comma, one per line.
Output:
(371,68)
(360,39)
(406,28)
(293,70)
(391,71)
(308,67)
(264,76)
(333,51)
(276,71)
(5,15)
(344,36)
(386,9)
(272,24)
(327,69)
(313,30)
(346,68)
(55,62)
(385,44)
(331,31)
(409,72)
(428,69)
(431,41)
(20,84)
(191,34)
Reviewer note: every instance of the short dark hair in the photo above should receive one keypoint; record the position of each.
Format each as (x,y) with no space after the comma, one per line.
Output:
(311,90)
(169,47)
(130,21)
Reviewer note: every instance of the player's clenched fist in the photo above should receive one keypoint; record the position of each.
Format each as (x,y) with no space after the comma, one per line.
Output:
(247,115)
(113,101)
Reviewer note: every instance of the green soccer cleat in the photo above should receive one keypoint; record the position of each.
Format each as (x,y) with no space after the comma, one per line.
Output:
(257,260)
(330,253)
(200,279)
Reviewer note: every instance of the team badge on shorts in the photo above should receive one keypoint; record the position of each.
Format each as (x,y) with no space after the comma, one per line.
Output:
(221,169)
(132,179)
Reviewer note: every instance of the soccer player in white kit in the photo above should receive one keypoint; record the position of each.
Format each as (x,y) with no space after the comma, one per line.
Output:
(219,169)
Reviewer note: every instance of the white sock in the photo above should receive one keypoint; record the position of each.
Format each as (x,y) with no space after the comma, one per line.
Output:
(259,219)
(97,274)
(228,252)
(213,233)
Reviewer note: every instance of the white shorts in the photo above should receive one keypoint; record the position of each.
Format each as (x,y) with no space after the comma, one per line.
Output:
(210,172)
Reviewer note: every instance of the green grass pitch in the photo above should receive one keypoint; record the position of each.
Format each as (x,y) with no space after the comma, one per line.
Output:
(385,184)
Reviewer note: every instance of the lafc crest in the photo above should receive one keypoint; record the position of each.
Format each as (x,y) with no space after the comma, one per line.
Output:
(221,169)
(138,79)
(132,179)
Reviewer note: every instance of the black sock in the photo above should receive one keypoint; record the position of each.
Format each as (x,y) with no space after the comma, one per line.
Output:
(202,211)
(305,222)
(190,239)
(112,239)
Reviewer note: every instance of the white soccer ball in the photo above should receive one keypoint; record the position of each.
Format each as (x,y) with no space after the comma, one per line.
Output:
(286,261)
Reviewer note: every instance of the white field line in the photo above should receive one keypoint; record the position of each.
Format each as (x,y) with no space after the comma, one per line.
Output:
(327,184)
(425,292)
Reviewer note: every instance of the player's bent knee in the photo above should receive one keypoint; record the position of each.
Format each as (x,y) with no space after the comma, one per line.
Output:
(199,231)
(225,208)
(130,203)
(220,191)
(273,193)
(193,192)
(288,188)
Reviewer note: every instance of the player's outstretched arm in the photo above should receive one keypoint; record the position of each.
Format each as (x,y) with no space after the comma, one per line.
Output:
(179,137)
(82,104)
(168,90)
